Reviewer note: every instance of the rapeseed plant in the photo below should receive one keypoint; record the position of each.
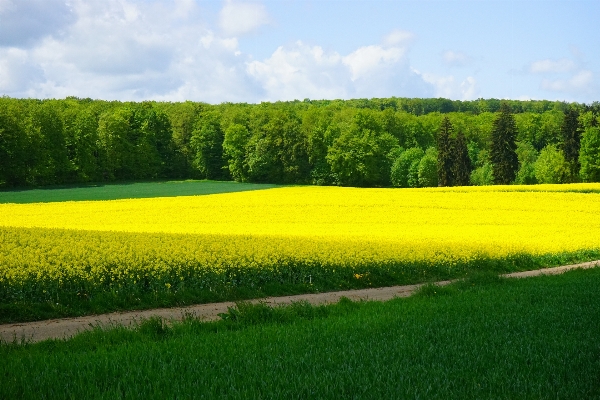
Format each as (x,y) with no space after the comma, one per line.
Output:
(249,238)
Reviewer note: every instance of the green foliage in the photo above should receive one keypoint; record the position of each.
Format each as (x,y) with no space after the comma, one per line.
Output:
(527,156)
(433,290)
(538,129)
(207,141)
(135,143)
(461,166)
(571,138)
(319,131)
(503,147)
(428,169)
(277,149)
(410,132)
(526,175)
(14,147)
(159,135)
(445,156)
(550,166)
(245,314)
(234,148)
(81,133)
(183,117)
(405,168)
(326,142)
(50,156)
(359,155)
(155,328)
(112,127)
(483,176)
(589,156)
(473,150)
(526,153)
(588,120)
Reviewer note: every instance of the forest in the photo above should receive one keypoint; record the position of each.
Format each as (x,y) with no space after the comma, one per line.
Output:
(391,142)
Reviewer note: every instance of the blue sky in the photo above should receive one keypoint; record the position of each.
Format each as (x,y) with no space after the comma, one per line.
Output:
(252,51)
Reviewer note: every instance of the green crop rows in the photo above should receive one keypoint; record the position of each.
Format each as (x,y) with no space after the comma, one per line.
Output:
(482,338)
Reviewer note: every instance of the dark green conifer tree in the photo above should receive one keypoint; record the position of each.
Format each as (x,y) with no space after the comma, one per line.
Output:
(461,165)
(571,135)
(503,152)
(444,150)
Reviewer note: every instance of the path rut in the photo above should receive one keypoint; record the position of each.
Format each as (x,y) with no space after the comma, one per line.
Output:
(67,327)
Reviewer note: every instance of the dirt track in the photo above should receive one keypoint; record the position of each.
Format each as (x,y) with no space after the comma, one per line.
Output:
(66,327)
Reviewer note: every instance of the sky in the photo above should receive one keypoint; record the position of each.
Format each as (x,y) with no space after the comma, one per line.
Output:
(218,51)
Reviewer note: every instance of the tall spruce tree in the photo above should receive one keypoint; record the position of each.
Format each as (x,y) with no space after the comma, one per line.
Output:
(571,135)
(461,165)
(444,150)
(503,149)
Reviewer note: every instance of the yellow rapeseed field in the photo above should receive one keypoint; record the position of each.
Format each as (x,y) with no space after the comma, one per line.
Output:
(164,239)
(535,221)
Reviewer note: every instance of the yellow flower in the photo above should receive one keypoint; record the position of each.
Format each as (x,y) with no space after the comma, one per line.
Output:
(103,242)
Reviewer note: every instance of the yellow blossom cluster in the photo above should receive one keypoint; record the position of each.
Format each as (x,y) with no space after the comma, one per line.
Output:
(159,240)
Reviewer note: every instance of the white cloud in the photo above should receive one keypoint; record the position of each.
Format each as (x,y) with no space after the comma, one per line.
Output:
(164,50)
(569,79)
(398,38)
(129,50)
(580,82)
(366,60)
(23,22)
(17,71)
(303,71)
(455,58)
(447,87)
(552,66)
(469,89)
(444,85)
(238,18)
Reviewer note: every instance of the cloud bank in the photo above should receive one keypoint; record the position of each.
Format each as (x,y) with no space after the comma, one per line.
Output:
(580,82)
(238,18)
(22,22)
(168,50)
(455,58)
(308,71)
(564,77)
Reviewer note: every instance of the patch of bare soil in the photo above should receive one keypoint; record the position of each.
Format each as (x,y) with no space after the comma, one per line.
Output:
(67,327)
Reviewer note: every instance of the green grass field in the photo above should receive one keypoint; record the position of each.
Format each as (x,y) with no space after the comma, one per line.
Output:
(485,337)
(132,190)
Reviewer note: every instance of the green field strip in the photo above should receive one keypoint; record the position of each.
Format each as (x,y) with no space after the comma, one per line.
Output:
(131,190)
(485,337)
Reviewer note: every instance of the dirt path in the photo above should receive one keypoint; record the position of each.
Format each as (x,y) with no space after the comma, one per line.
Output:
(67,327)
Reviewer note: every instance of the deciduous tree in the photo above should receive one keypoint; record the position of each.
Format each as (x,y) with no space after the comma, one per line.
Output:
(427,170)
(405,168)
(207,142)
(550,166)
(589,155)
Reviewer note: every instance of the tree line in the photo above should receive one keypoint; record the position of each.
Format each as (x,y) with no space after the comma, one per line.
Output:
(363,142)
